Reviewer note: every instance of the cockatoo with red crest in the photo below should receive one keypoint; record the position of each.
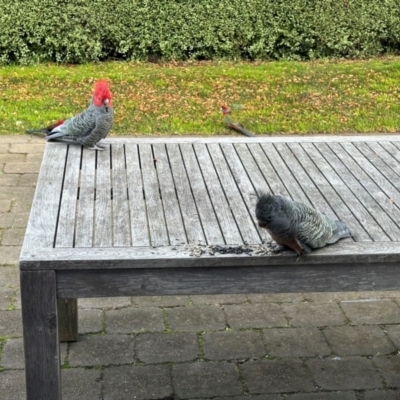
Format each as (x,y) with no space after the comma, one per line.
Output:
(231,124)
(88,127)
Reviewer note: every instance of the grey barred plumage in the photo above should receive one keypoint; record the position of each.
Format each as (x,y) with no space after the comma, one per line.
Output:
(295,225)
(88,127)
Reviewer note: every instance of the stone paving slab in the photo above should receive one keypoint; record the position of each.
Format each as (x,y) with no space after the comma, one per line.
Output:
(206,379)
(296,342)
(259,315)
(101,350)
(5,205)
(129,320)
(287,375)
(345,373)
(13,237)
(107,303)
(314,314)
(322,396)
(390,369)
(250,397)
(195,318)
(137,382)
(361,340)
(6,296)
(274,346)
(10,323)
(12,384)
(167,347)
(81,384)
(9,275)
(393,332)
(160,301)
(219,299)
(382,395)
(372,311)
(90,321)
(233,345)
(11,220)
(12,356)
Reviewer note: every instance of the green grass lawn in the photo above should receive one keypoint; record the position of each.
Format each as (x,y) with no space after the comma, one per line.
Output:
(184,98)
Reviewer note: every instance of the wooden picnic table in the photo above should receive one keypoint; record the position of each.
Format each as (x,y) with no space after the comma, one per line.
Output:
(176,217)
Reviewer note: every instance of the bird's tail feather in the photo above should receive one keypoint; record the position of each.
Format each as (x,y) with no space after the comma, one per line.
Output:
(239,129)
(36,131)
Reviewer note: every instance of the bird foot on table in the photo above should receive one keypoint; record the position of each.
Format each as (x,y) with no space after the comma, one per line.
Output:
(96,147)
(278,249)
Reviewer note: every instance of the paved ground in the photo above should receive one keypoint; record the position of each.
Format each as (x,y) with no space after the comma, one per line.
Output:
(257,347)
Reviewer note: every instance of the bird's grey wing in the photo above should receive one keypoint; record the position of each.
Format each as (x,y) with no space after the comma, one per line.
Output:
(314,229)
(95,136)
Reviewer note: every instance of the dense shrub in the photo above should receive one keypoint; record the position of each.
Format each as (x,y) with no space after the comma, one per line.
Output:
(82,30)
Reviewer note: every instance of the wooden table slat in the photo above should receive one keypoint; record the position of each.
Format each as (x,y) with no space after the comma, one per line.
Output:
(67,209)
(120,206)
(209,222)
(368,183)
(341,209)
(103,206)
(376,160)
(244,184)
(242,215)
(271,177)
(42,223)
(370,169)
(138,212)
(285,174)
(173,216)
(358,209)
(225,218)
(385,156)
(371,205)
(191,219)
(84,224)
(392,150)
(154,208)
(318,200)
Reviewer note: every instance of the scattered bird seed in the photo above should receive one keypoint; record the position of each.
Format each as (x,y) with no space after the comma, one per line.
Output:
(197,250)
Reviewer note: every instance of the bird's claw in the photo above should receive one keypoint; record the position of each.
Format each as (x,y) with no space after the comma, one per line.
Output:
(96,147)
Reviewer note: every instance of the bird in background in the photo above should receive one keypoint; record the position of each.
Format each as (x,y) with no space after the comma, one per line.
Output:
(297,226)
(231,124)
(88,127)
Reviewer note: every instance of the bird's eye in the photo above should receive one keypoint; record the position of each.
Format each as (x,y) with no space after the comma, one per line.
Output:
(269,218)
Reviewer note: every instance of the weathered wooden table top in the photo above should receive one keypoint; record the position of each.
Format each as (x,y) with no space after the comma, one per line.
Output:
(149,202)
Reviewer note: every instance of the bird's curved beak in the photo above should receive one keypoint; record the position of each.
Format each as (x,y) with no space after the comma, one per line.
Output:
(105,102)
(262,224)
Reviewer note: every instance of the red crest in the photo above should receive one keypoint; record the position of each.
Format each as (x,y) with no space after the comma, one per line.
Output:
(101,93)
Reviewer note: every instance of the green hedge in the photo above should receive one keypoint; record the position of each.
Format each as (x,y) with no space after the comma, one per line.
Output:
(82,31)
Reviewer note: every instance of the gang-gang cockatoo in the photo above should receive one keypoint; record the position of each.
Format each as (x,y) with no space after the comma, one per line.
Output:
(88,127)
(295,225)
(231,124)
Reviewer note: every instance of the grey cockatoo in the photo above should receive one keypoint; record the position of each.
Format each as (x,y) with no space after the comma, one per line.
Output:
(295,225)
(231,124)
(88,127)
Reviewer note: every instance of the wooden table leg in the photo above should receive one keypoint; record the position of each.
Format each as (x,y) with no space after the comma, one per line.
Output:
(41,344)
(68,319)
